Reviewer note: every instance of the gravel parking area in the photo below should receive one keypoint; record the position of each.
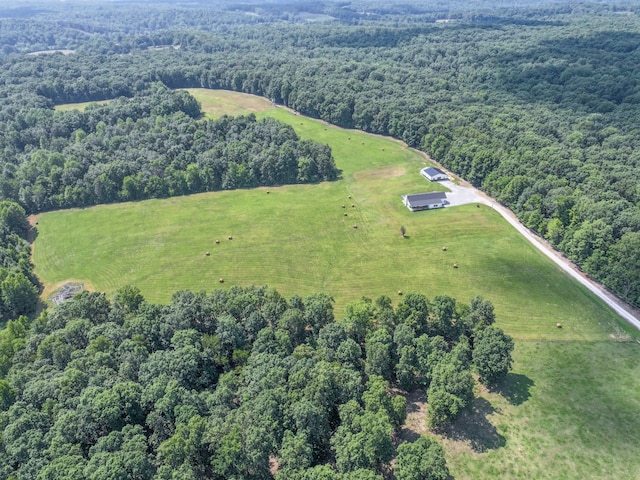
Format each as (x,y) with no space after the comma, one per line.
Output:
(462,195)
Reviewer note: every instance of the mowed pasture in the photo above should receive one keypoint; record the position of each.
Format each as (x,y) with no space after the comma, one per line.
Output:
(569,409)
(298,240)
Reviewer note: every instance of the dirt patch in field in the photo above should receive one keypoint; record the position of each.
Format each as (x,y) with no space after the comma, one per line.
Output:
(50,290)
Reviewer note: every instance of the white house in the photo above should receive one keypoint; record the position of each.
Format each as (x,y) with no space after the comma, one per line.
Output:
(425,201)
(433,174)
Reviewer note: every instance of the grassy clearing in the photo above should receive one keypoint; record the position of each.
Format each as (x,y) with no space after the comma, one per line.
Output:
(298,240)
(216,103)
(78,106)
(568,410)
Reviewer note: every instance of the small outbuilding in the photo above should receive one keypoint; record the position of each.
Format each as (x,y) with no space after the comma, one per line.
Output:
(425,201)
(433,174)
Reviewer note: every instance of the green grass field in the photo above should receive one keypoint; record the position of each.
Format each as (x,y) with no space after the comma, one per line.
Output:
(570,407)
(78,106)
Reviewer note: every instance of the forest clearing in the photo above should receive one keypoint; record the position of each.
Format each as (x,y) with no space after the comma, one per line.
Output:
(159,246)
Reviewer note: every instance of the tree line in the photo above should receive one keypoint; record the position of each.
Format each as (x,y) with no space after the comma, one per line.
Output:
(19,287)
(148,146)
(239,383)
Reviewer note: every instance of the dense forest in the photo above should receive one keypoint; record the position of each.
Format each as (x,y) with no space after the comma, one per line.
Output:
(149,146)
(536,106)
(240,383)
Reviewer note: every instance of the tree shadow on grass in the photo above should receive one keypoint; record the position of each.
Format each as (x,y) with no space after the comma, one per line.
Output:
(515,388)
(473,427)
(415,425)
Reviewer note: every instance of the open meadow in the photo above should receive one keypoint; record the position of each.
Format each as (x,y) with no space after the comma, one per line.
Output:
(568,410)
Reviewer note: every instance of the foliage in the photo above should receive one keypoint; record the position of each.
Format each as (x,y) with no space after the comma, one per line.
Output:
(150,146)
(123,388)
(19,287)
(492,355)
(451,389)
(421,460)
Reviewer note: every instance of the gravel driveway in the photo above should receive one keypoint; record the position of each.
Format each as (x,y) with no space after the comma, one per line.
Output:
(465,193)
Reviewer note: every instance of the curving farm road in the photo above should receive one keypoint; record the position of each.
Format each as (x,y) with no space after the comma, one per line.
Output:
(464,193)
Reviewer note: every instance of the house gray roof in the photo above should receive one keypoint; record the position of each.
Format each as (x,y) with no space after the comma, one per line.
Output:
(423,199)
(432,171)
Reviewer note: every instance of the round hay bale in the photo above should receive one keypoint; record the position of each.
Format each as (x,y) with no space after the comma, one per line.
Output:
(399,292)
(268,192)
(455,265)
(355,226)
(444,249)
(217,241)
(230,237)
(558,325)
(207,254)
(342,206)
(353,206)
(221,280)
(382,149)
(346,214)
(349,197)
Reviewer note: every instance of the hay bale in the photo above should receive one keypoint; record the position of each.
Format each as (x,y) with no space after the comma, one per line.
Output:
(353,206)
(349,197)
(207,254)
(558,325)
(221,280)
(399,292)
(382,149)
(343,206)
(217,241)
(355,226)
(455,265)
(444,249)
(346,214)
(230,237)
(268,192)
